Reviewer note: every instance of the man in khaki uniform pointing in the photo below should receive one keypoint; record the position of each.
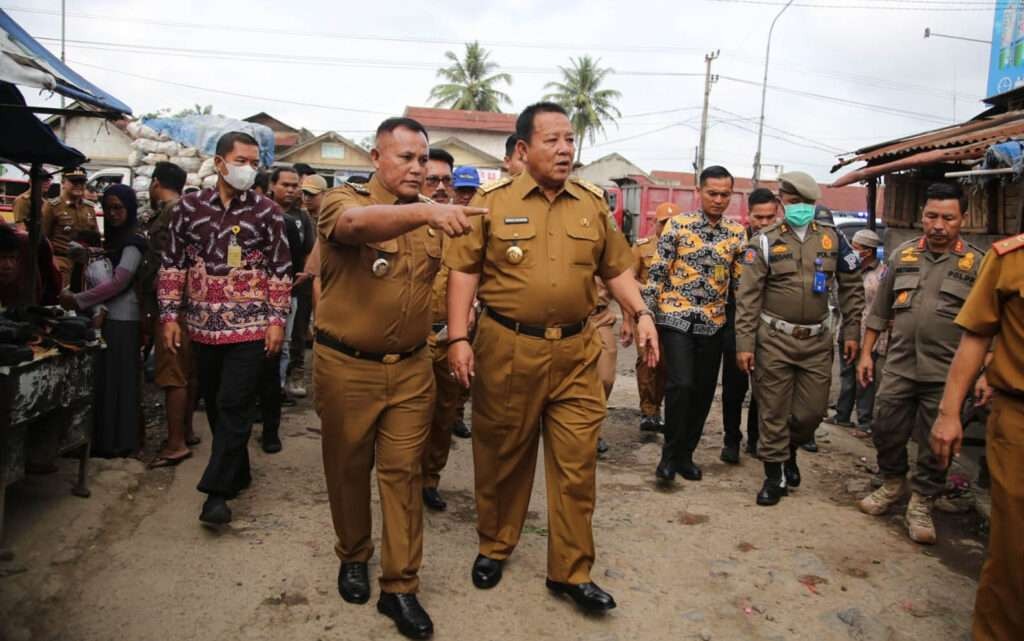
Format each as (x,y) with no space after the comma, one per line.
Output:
(534,258)
(373,378)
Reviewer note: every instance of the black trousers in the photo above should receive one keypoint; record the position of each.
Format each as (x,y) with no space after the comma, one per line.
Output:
(691,367)
(734,389)
(300,329)
(229,379)
(270,393)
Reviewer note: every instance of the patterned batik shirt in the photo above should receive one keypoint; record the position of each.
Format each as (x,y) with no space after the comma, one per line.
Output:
(695,266)
(228,270)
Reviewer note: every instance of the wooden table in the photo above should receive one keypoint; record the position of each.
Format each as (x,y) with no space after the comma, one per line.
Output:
(46,411)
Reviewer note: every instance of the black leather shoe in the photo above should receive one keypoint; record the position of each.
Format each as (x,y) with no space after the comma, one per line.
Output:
(731,454)
(460,429)
(602,446)
(665,472)
(792,472)
(354,582)
(810,446)
(649,424)
(752,448)
(215,511)
(486,572)
(587,596)
(690,471)
(432,499)
(772,491)
(407,613)
(271,442)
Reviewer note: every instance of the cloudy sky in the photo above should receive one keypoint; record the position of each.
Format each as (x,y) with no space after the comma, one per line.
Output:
(344,65)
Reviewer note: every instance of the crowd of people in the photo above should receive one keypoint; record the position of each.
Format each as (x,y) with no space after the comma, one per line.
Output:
(504,292)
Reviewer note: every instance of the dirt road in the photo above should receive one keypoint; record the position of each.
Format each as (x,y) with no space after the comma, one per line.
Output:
(699,562)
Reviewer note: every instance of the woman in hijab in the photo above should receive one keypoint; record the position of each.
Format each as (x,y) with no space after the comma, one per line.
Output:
(118,383)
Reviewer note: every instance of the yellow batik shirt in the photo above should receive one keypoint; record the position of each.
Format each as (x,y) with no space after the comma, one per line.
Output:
(696,264)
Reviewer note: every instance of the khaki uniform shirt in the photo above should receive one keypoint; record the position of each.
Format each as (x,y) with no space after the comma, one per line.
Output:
(643,256)
(565,243)
(778,279)
(388,313)
(439,293)
(872,278)
(23,206)
(922,293)
(995,307)
(62,219)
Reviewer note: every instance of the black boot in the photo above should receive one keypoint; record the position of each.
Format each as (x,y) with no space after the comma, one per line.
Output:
(432,499)
(270,441)
(791,470)
(486,572)
(731,454)
(407,613)
(666,471)
(689,470)
(215,511)
(460,429)
(650,424)
(774,487)
(354,582)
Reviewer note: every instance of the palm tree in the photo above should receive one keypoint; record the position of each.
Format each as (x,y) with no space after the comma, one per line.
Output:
(469,86)
(580,93)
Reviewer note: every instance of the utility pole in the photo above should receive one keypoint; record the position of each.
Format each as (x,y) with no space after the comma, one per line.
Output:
(709,80)
(764,90)
(63,22)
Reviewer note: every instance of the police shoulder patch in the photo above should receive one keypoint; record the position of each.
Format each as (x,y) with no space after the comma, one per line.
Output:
(589,186)
(749,256)
(487,188)
(1008,245)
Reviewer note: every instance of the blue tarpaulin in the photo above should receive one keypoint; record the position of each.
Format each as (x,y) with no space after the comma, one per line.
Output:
(1006,154)
(23,61)
(202,132)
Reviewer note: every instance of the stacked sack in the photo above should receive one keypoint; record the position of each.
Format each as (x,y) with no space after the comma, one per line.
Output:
(150,147)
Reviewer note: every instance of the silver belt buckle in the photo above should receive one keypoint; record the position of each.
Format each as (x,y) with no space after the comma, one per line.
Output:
(553,333)
(391,359)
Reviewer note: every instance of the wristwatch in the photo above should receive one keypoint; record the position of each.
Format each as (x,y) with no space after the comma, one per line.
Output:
(642,312)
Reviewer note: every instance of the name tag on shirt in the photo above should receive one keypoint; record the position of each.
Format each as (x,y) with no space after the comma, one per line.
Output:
(517,220)
(234,256)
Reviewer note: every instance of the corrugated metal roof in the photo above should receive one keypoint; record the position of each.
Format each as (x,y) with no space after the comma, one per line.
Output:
(432,118)
(966,141)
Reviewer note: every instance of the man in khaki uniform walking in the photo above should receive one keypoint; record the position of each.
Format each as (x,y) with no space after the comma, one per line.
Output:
(534,360)
(925,283)
(22,206)
(374,381)
(994,308)
(782,337)
(650,381)
(65,216)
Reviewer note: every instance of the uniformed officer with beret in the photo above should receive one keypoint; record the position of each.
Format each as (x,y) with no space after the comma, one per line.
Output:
(782,335)
(65,216)
(373,376)
(650,381)
(533,365)
(925,283)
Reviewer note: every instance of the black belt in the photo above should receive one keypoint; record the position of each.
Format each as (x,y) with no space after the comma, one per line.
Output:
(551,333)
(327,340)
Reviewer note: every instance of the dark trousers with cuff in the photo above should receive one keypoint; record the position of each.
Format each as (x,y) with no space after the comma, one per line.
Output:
(735,384)
(691,365)
(229,380)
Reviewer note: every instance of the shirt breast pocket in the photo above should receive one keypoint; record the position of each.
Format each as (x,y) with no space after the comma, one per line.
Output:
(904,289)
(379,259)
(783,266)
(583,245)
(952,295)
(514,245)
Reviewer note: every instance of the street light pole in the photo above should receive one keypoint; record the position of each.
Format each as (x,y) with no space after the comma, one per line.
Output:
(928,33)
(764,90)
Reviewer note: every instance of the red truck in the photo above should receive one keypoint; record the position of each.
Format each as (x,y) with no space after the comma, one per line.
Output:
(634,199)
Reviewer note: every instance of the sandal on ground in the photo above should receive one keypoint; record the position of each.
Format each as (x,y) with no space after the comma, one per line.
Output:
(168,461)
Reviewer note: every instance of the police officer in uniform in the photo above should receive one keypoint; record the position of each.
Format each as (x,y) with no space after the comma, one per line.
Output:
(650,381)
(782,336)
(373,377)
(65,216)
(533,364)
(22,206)
(925,283)
(994,309)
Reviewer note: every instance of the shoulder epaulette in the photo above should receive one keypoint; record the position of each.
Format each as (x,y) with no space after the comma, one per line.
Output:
(487,188)
(1008,245)
(776,226)
(359,188)
(824,223)
(589,186)
(642,241)
(53,201)
(89,203)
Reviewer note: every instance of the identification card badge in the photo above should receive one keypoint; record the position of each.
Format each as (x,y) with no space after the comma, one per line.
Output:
(720,273)
(820,285)
(234,255)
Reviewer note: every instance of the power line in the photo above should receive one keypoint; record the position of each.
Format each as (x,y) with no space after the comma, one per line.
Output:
(645,133)
(894,6)
(783,131)
(353,36)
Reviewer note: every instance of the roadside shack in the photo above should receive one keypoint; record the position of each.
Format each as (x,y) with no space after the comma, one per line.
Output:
(46,369)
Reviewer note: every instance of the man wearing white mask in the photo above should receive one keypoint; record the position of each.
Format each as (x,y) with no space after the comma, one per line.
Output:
(226,273)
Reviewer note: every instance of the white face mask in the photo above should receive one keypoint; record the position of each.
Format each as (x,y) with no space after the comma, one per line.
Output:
(241,177)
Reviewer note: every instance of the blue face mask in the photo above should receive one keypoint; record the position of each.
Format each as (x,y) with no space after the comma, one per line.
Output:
(799,214)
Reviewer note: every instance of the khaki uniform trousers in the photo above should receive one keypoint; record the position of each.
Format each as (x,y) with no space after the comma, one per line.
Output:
(446,403)
(905,410)
(376,414)
(526,388)
(64,266)
(997,609)
(791,382)
(650,383)
(608,359)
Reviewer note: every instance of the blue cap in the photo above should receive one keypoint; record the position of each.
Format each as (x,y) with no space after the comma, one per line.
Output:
(466,177)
